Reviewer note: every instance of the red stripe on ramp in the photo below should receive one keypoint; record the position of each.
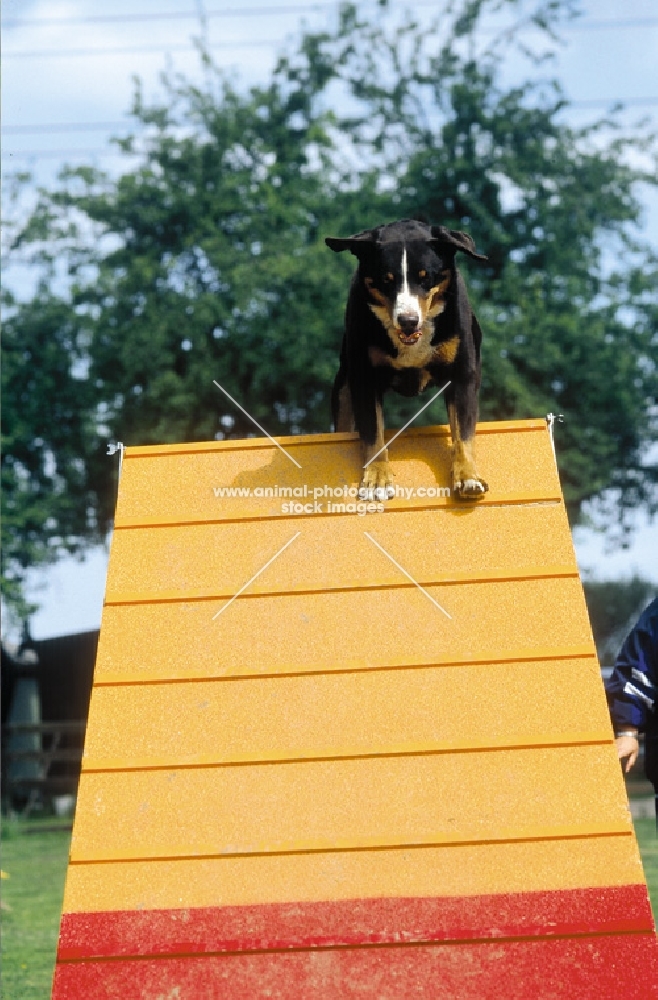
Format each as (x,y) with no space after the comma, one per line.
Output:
(354,922)
(603,968)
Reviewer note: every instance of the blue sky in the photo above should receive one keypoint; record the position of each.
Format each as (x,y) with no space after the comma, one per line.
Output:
(68,78)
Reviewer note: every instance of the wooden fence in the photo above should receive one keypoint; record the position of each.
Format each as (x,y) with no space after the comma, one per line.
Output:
(57,758)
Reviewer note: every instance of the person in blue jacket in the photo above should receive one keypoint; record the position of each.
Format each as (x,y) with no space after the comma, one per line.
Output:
(632,692)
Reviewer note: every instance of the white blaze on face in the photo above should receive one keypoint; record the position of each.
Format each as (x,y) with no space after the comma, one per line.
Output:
(406,304)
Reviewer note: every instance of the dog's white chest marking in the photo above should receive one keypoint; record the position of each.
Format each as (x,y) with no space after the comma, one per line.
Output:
(414,355)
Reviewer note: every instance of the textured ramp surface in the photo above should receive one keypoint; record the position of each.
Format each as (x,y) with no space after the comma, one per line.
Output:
(338,784)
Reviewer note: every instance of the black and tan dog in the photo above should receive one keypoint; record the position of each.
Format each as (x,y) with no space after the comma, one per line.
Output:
(408,325)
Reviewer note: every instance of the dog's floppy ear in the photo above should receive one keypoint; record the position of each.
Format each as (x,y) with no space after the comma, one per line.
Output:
(455,238)
(355,244)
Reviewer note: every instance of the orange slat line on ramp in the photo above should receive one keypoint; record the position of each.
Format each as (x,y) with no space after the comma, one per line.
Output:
(118,765)
(364,803)
(322,714)
(319,440)
(449,870)
(300,633)
(450,579)
(488,543)
(179,488)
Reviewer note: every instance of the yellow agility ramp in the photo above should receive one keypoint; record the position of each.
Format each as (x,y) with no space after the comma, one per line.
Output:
(336,751)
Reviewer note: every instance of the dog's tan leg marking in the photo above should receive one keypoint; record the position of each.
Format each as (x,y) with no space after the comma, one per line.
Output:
(466,483)
(377,479)
(447,350)
(345,419)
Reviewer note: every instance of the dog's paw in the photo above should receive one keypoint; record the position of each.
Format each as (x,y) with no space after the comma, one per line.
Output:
(377,482)
(470,489)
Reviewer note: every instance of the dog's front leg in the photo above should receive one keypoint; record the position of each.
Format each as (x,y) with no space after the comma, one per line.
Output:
(341,403)
(462,406)
(377,478)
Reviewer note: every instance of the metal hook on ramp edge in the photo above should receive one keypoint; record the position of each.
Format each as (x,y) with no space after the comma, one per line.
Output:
(113,448)
(551,418)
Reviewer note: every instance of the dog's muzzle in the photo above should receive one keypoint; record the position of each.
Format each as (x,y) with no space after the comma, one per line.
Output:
(408,329)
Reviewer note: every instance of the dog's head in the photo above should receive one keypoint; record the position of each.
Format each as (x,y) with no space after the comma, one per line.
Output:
(406,269)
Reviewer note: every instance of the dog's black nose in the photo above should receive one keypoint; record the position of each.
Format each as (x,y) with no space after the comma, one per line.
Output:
(408,322)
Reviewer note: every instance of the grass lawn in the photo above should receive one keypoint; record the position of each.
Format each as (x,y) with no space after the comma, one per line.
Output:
(36,862)
(645,831)
(32,903)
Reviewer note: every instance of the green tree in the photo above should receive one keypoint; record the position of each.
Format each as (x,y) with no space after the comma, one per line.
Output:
(191,267)
(568,302)
(56,490)
(206,261)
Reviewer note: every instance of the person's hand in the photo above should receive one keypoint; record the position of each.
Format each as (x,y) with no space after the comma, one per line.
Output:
(627,746)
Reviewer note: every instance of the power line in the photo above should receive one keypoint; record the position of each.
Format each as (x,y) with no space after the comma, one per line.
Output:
(284,9)
(637,102)
(179,15)
(624,22)
(50,154)
(51,128)
(145,49)
(129,50)
(45,127)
